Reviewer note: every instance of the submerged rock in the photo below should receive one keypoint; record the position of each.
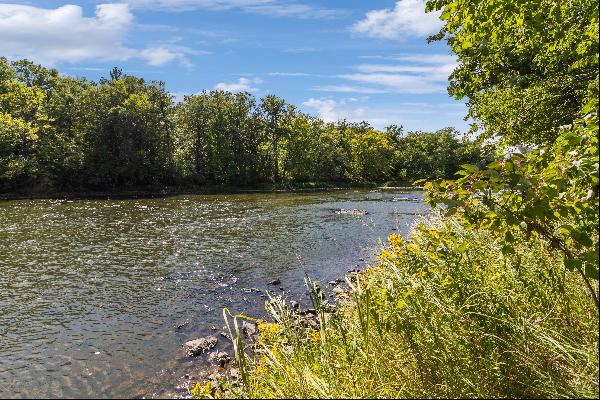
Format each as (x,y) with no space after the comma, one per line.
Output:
(182,325)
(199,346)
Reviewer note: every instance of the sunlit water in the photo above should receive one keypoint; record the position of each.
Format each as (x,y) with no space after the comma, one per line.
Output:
(91,290)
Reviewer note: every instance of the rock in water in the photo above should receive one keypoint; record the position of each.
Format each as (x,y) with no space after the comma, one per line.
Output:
(338,290)
(220,358)
(276,282)
(355,213)
(249,328)
(199,346)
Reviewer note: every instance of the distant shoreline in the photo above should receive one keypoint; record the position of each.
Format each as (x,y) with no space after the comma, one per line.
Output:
(160,192)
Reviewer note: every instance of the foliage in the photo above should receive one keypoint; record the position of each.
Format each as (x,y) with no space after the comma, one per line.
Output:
(218,137)
(428,155)
(487,302)
(551,193)
(18,140)
(530,72)
(125,130)
(372,155)
(446,314)
(526,67)
(62,133)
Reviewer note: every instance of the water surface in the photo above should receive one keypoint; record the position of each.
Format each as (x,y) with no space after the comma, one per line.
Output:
(91,290)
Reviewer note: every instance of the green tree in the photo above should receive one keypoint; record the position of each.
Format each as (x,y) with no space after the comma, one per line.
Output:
(525,66)
(372,154)
(273,110)
(530,72)
(431,155)
(125,127)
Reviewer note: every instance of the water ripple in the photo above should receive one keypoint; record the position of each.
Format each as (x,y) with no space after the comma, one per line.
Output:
(90,290)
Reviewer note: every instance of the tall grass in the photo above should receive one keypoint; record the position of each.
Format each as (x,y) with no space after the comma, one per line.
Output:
(444,314)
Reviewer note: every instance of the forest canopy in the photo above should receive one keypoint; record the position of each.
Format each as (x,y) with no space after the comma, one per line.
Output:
(59,133)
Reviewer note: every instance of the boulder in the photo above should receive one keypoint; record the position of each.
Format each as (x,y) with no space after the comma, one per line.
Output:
(219,358)
(182,325)
(198,346)
(337,290)
(249,328)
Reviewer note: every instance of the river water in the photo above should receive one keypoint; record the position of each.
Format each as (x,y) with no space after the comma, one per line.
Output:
(92,291)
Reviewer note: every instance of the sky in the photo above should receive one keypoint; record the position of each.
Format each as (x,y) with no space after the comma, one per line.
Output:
(336,59)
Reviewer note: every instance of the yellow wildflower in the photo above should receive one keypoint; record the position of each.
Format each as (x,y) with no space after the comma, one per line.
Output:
(202,391)
(315,336)
(413,247)
(261,367)
(396,240)
(268,331)
(421,274)
(385,255)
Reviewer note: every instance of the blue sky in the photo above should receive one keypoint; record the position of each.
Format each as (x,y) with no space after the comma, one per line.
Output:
(353,59)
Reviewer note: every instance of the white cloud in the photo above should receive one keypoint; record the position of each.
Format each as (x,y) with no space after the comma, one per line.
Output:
(51,35)
(275,8)
(397,83)
(164,53)
(417,74)
(330,110)
(242,85)
(349,89)
(426,58)
(187,5)
(303,11)
(64,34)
(157,56)
(407,19)
(413,116)
(433,73)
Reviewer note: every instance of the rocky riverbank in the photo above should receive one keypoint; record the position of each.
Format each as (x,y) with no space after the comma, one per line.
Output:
(216,368)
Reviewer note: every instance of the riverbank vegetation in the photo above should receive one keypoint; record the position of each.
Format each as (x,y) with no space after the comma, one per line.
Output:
(496,293)
(445,314)
(62,134)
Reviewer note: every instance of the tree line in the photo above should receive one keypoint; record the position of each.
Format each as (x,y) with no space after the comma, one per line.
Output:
(63,133)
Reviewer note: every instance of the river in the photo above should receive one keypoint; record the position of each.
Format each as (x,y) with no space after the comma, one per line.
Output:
(92,291)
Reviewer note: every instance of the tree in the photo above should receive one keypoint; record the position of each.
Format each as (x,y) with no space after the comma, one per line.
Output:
(22,123)
(125,128)
(526,67)
(530,72)
(372,154)
(274,109)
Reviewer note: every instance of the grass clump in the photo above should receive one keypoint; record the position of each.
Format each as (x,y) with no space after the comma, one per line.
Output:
(444,314)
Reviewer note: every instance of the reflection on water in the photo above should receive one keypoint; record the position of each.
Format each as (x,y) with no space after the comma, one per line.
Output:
(91,291)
